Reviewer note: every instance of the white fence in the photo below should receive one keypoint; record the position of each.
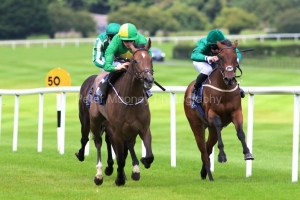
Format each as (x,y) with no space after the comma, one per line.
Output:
(175,39)
(295,90)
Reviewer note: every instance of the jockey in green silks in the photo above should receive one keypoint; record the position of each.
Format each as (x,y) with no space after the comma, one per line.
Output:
(120,47)
(204,55)
(102,43)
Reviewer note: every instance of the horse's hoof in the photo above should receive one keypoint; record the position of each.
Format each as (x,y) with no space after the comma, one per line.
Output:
(120,182)
(222,159)
(135,176)
(108,171)
(248,156)
(79,156)
(147,161)
(98,181)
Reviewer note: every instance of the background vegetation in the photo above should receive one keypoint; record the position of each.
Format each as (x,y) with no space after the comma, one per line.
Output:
(18,20)
(28,174)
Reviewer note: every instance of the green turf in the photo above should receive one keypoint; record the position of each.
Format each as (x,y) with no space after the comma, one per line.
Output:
(27,174)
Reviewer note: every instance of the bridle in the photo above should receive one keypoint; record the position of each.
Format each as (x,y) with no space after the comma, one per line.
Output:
(137,74)
(228,68)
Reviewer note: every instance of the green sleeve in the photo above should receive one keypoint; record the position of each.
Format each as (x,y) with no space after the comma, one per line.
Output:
(100,46)
(200,51)
(239,55)
(109,55)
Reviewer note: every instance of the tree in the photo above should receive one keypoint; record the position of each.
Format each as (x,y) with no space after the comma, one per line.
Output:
(151,19)
(235,20)
(188,17)
(20,19)
(65,19)
(289,22)
(84,23)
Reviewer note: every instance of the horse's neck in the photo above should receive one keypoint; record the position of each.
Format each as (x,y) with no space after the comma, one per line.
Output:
(130,86)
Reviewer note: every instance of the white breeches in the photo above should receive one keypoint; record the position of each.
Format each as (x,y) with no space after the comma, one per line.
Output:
(202,67)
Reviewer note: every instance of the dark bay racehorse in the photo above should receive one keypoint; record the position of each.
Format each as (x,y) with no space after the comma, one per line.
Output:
(221,104)
(127,112)
(84,117)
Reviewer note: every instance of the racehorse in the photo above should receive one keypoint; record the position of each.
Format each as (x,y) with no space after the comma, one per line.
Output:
(127,112)
(85,130)
(221,105)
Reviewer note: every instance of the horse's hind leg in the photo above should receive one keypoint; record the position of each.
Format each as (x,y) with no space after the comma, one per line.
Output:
(238,123)
(199,134)
(96,128)
(98,179)
(218,125)
(85,129)
(148,159)
(110,162)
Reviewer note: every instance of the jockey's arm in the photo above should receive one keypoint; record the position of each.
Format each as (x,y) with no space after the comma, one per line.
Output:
(198,53)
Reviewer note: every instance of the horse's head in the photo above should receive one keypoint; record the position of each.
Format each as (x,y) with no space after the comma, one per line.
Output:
(142,67)
(228,60)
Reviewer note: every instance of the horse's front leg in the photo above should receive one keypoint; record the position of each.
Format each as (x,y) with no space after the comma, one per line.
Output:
(135,175)
(147,138)
(216,121)
(238,123)
(119,148)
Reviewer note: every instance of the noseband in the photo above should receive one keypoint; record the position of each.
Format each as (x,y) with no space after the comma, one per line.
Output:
(228,68)
(134,63)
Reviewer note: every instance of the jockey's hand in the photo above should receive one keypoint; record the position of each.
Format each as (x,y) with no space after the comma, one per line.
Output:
(211,59)
(122,66)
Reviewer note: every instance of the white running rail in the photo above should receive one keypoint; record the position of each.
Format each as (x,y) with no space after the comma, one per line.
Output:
(251,91)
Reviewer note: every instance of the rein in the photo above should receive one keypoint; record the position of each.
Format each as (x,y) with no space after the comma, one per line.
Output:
(230,69)
(135,74)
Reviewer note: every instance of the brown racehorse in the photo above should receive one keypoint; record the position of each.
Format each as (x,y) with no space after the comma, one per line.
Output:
(127,112)
(84,117)
(221,104)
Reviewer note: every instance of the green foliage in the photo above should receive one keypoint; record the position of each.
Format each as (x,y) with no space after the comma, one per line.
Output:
(144,18)
(84,23)
(19,19)
(61,18)
(182,51)
(66,19)
(267,17)
(235,20)
(289,21)
(188,17)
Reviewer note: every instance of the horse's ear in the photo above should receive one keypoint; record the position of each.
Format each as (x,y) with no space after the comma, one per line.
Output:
(235,44)
(148,45)
(219,44)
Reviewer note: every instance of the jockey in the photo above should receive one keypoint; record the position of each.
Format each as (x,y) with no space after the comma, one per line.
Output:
(102,43)
(120,47)
(204,56)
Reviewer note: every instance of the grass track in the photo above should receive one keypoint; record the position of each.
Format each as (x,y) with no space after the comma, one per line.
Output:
(27,174)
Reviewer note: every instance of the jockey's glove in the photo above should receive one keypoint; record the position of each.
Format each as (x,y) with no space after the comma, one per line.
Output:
(208,59)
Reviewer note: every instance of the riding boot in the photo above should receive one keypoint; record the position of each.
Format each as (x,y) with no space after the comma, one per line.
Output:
(200,79)
(242,92)
(148,93)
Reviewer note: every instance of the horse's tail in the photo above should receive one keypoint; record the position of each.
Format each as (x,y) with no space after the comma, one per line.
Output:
(85,99)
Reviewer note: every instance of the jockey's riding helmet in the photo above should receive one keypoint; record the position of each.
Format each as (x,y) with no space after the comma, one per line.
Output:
(112,28)
(128,31)
(214,36)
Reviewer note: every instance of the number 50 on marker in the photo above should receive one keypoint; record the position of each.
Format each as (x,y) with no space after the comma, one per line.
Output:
(58,77)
